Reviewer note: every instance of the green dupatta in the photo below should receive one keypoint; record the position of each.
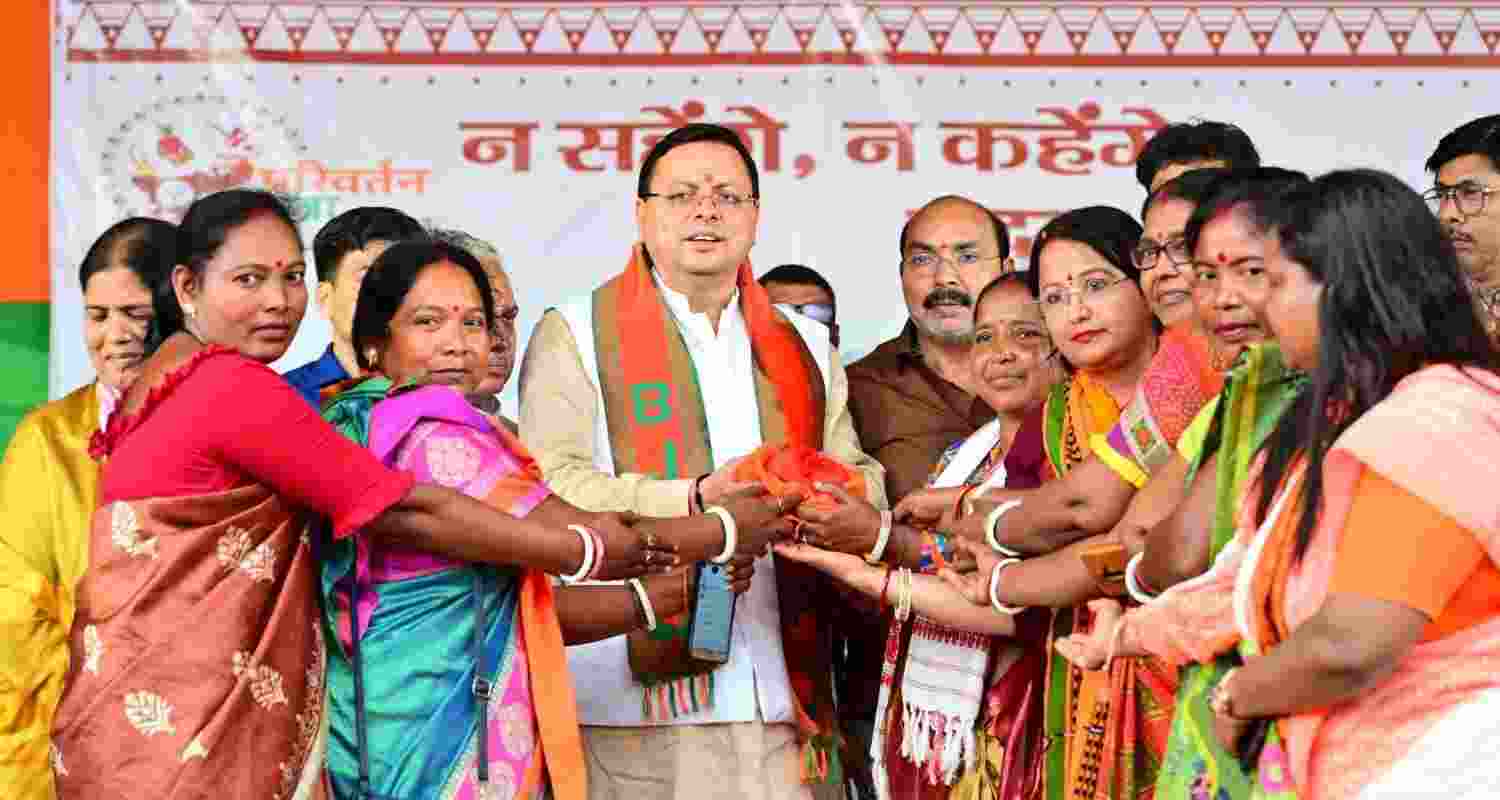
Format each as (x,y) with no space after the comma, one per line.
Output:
(1258,391)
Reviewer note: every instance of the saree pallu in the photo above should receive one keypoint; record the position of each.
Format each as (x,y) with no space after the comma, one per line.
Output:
(418,624)
(1105,731)
(1183,376)
(1410,735)
(961,715)
(1256,393)
(196,671)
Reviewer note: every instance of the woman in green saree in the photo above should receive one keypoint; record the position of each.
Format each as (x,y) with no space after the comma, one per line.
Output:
(1229,243)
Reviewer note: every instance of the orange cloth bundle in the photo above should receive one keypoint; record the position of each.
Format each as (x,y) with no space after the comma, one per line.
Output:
(783,468)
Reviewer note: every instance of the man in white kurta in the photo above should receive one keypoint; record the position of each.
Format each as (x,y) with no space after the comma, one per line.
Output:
(697,213)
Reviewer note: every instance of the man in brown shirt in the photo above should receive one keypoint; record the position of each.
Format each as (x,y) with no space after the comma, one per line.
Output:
(910,400)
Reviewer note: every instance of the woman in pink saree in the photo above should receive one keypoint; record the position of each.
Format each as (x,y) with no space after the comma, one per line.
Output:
(454,684)
(1363,583)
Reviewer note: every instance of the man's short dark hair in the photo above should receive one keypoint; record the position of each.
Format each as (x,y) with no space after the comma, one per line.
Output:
(1002,233)
(688,134)
(354,230)
(797,275)
(1200,140)
(1188,187)
(1480,137)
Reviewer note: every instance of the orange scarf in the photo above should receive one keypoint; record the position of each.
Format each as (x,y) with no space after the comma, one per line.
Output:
(658,426)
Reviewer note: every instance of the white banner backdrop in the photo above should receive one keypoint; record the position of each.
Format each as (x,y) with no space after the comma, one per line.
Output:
(524,123)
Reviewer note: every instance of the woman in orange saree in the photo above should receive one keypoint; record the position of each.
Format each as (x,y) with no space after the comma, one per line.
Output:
(1103,734)
(197,666)
(1185,372)
(1363,583)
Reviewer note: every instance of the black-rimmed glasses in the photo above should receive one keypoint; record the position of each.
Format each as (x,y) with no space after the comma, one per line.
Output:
(1468,197)
(1147,253)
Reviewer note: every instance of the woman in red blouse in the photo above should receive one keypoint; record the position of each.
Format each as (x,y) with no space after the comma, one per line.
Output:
(197,661)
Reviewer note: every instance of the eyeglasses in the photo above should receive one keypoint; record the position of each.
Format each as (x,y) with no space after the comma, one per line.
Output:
(817,312)
(924,260)
(683,201)
(1055,298)
(1468,197)
(1147,251)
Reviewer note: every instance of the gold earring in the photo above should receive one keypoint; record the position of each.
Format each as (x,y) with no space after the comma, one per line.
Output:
(188,310)
(372,356)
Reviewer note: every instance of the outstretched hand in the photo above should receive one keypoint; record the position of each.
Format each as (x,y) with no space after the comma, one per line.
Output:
(847,569)
(1091,650)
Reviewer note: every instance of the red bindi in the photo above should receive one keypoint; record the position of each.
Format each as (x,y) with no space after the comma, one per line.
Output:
(1223,259)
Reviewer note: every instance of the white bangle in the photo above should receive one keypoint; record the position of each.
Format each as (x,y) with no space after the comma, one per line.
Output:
(731,534)
(995,588)
(588,555)
(993,522)
(903,594)
(887,520)
(640,592)
(1132,584)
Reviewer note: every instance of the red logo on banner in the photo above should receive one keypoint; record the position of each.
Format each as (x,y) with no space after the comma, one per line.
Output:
(179,149)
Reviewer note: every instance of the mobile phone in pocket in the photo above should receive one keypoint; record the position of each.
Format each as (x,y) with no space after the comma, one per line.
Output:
(713,614)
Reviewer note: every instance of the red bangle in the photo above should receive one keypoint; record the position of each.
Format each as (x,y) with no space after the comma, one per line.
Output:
(886,587)
(958,507)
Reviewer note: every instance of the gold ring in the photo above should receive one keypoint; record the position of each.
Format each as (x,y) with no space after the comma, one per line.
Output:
(649,540)
(797,532)
(647,558)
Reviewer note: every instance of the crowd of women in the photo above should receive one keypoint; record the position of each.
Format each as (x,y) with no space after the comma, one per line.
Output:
(1227,541)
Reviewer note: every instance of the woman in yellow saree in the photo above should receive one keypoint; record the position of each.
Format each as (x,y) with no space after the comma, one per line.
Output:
(1091,300)
(47,490)
(1090,296)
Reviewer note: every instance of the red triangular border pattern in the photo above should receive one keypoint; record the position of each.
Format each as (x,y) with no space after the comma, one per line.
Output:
(1144,32)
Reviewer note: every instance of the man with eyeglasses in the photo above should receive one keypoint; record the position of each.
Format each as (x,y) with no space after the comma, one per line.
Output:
(911,397)
(1465,169)
(643,396)
(806,292)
